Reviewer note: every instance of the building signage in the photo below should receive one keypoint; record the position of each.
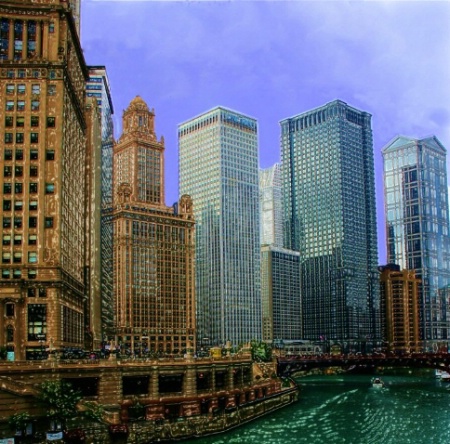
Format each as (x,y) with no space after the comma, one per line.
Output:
(54,436)
(239,120)
(7,441)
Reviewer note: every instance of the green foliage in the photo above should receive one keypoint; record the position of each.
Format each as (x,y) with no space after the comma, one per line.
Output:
(18,421)
(61,399)
(93,411)
(261,351)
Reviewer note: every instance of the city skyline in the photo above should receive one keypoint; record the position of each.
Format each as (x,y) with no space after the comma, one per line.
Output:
(272,60)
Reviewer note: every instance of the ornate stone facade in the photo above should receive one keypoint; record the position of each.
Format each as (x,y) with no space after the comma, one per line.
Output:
(43,153)
(153,246)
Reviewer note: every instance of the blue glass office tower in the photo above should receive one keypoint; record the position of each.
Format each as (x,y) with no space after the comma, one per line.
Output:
(218,162)
(417,225)
(329,206)
(98,87)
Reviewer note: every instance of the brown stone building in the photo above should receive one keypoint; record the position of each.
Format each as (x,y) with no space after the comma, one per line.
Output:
(400,309)
(43,181)
(153,246)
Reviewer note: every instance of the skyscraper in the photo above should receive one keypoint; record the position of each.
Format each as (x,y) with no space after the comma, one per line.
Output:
(417,224)
(280,268)
(329,204)
(98,87)
(400,309)
(153,245)
(218,161)
(43,185)
(270,188)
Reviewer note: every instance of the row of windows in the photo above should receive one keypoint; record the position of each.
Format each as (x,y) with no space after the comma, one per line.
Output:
(19,105)
(21,89)
(34,121)
(17,222)
(17,257)
(20,138)
(23,73)
(34,154)
(17,274)
(33,188)
(18,205)
(18,171)
(32,239)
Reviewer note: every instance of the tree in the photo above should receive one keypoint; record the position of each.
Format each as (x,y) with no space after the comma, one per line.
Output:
(261,351)
(61,399)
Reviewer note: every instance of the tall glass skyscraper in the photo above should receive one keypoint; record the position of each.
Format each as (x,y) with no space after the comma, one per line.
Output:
(98,86)
(329,202)
(270,189)
(218,161)
(417,224)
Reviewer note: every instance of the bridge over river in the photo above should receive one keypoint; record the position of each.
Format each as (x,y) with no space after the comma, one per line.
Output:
(289,365)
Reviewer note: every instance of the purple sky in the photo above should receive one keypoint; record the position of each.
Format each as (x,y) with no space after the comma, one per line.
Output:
(275,59)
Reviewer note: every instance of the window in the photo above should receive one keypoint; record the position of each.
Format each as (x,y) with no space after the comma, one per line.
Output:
(6,257)
(7,188)
(17,257)
(49,155)
(33,205)
(6,274)
(6,239)
(34,154)
(34,120)
(17,239)
(10,74)
(51,28)
(19,154)
(32,239)
(21,74)
(37,322)
(34,137)
(50,122)
(20,105)
(32,257)
(8,137)
(10,333)
(33,171)
(51,91)
(18,205)
(33,187)
(18,170)
(17,222)
(9,105)
(17,274)
(49,188)
(49,222)
(6,205)
(42,292)
(32,222)
(10,89)
(18,188)
(6,222)
(7,171)
(35,105)
(9,121)
(21,89)
(19,137)
(8,155)
(35,89)
(9,309)
(32,274)
(20,121)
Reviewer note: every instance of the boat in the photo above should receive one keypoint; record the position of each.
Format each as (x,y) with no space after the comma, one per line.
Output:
(442,375)
(377,383)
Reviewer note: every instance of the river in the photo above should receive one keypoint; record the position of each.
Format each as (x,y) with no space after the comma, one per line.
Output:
(347,409)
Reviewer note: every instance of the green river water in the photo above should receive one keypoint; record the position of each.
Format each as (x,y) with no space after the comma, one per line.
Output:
(347,409)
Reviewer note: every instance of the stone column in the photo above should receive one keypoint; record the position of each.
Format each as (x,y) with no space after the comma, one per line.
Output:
(153,386)
(230,385)
(25,40)
(11,40)
(190,381)
(110,387)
